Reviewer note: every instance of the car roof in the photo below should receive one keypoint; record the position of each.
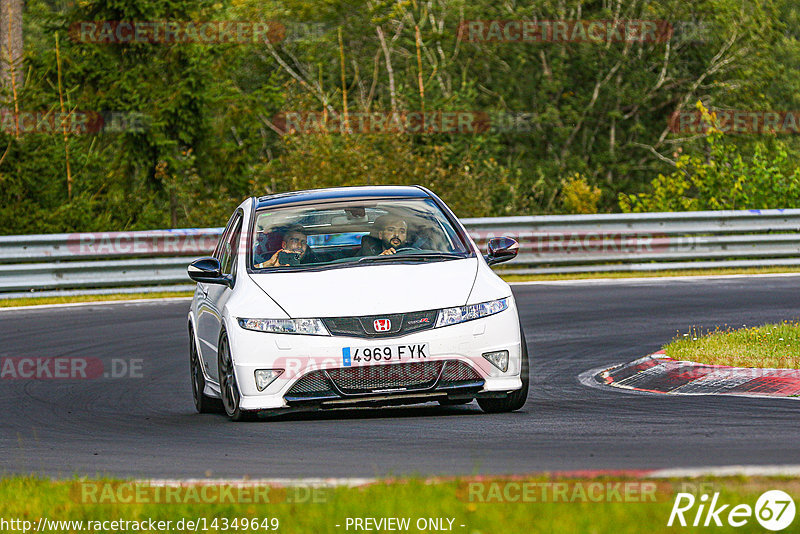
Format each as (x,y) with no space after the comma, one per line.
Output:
(341,193)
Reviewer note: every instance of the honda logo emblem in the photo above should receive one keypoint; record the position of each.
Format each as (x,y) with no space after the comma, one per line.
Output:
(382,325)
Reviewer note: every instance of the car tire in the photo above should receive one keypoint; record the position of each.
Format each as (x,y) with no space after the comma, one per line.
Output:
(516,399)
(202,402)
(228,387)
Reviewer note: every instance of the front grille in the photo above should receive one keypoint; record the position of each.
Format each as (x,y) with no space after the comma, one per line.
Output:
(456,372)
(344,326)
(413,376)
(417,375)
(313,384)
(363,326)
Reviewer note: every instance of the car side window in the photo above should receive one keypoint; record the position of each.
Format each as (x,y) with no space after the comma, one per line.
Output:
(230,246)
(220,248)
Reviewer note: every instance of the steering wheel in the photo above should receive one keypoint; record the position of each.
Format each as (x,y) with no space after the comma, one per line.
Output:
(405,249)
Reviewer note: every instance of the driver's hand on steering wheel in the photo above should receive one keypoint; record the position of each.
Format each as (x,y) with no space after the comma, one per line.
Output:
(389,250)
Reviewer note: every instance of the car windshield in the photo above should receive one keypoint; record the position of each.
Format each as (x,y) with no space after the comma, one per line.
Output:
(353,231)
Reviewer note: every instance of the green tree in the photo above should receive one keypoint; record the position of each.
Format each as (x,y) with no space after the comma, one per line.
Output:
(723,177)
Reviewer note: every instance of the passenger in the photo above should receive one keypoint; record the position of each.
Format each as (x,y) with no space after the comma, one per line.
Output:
(427,238)
(294,251)
(265,245)
(392,235)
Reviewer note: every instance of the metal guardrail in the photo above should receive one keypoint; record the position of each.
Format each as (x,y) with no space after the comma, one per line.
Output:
(548,244)
(104,245)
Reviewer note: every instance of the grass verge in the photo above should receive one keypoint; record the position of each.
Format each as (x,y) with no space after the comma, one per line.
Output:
(644,274)
(36,301)
(768,346)
(539,504)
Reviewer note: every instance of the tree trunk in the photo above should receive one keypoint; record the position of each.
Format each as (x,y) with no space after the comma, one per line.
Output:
(11,68)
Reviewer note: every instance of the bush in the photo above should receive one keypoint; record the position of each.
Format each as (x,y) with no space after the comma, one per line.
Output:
(577,196)
(724,178)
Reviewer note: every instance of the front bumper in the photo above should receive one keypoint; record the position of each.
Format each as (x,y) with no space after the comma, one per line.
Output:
(420,379)
(300,355)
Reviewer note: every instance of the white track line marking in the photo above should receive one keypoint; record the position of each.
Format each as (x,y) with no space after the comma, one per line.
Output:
(653,279)
(94,303)
(728,471)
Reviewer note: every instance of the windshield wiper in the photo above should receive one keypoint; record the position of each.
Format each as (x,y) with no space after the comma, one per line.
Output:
(413,257)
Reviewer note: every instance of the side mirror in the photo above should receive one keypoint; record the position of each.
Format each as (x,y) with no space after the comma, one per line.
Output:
(209,271)
(501,249)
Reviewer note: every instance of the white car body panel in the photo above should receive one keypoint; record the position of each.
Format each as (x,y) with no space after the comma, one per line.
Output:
(371,289)
(358,290)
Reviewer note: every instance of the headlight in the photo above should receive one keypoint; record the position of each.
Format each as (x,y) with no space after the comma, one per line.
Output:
(450,316)
(311,327)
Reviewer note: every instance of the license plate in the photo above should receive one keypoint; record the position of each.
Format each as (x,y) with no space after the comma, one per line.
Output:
(384,353)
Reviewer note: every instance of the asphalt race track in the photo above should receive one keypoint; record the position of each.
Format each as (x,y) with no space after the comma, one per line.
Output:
(147,427)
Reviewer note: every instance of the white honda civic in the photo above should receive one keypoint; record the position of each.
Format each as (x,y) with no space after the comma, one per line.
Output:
(355,296)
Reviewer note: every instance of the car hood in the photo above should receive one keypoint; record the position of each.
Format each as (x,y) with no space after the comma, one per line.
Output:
(371,289)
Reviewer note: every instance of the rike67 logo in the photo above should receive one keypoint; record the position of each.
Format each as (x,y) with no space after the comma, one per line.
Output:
(774,510)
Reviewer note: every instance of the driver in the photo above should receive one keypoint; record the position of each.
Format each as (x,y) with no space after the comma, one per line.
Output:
(294,251)
(392,235)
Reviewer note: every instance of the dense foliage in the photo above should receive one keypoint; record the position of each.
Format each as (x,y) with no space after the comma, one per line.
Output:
(198,124)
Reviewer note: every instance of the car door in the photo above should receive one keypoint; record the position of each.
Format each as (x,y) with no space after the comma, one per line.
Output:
(214,296)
